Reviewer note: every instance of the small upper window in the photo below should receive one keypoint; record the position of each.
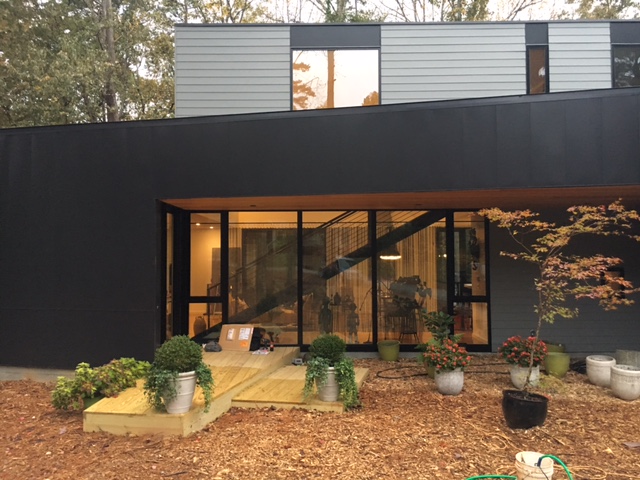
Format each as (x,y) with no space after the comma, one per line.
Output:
(537,70)
(626,66)
(334,78)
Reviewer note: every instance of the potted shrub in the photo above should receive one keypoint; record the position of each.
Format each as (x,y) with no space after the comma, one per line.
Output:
(176,370)
(563,274)
(517,352)
(331,372)
(89,385)
(449,361)
(440,325)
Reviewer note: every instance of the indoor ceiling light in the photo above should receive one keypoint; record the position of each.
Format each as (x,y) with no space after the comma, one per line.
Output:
(390,253)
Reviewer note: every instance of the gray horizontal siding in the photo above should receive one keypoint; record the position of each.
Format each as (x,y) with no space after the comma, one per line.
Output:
(513,297)
(448,61)
(579,56)
(222,70)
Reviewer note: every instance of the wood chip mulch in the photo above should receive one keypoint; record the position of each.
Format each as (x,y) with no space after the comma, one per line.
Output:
(404,430)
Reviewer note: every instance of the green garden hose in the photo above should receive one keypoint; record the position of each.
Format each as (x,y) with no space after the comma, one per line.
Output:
(511,477)
(508,477)
(557,460)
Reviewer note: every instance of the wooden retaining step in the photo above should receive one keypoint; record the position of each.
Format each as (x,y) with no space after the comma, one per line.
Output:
(130,414)
(283,389)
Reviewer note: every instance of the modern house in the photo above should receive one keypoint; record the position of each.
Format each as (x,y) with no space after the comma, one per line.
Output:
(345,220)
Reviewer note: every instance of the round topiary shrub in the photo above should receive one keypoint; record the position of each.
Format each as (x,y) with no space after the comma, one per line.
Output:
(180,354)
(330,347)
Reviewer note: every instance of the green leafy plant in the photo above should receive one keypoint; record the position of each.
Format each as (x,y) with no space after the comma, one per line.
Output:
(562,274)
(440,325)
(519,351)
(326,351)
(107,380)
(177,355)
(446,356)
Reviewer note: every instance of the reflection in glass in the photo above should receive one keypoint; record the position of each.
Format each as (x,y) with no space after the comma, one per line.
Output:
(416,280)
(537,69)
(337,276)
(626,66)
(334,78)
(263,276)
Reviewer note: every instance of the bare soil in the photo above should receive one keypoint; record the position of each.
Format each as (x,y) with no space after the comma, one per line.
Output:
(404,430)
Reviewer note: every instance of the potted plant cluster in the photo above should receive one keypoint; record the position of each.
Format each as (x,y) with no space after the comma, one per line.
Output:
(176,370)
(90,385)
(449,361)
(520,353)
(331,372)
(440,325)
(563,274)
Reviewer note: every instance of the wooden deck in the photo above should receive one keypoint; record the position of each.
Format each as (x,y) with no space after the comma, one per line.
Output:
(242,379)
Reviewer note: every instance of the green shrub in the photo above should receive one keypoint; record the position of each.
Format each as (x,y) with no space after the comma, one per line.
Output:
(330,347)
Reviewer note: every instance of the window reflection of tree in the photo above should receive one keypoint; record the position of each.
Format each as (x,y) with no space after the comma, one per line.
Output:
(626,64)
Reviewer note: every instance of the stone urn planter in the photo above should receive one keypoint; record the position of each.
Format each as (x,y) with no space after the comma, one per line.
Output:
(625,382)
(449,382)
(518,376)
(599,369)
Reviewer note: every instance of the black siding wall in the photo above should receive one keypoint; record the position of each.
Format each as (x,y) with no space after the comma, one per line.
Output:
(78,204)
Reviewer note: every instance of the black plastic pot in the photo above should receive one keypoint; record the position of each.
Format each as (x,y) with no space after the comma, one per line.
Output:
(523,409)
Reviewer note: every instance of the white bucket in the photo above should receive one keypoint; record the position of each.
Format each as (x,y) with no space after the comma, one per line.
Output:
(527,466)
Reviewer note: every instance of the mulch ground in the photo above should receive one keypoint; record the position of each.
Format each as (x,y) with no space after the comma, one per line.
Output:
(404,430)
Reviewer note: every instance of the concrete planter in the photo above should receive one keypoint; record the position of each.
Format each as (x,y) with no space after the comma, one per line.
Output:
(628,357)
(519,376)
(625,382)
(599,369)
(449,382)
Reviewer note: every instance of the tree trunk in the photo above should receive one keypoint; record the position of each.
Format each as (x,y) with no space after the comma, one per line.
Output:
(109,91)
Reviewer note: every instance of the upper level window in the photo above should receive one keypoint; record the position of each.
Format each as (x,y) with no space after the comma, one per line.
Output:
(537,70)
(334,78)
(626,66)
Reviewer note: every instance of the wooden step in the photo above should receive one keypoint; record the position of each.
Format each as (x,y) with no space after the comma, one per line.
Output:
(283,389)
(130,414)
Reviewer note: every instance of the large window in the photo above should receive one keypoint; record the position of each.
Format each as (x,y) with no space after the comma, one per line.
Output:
(334,78)
(263,272)
(337,276)
(362,275)
(412,273)
(626,66)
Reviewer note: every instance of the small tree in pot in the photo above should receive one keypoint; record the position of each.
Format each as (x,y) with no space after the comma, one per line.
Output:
(178,355)
(562,274)
(328,360)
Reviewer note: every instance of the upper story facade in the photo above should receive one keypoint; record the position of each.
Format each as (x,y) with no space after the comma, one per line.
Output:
(241,68)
